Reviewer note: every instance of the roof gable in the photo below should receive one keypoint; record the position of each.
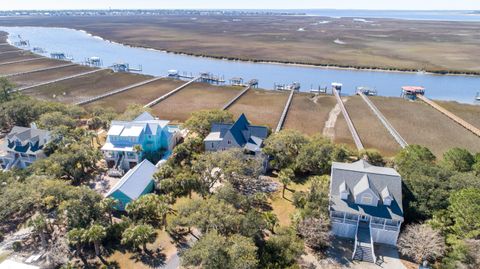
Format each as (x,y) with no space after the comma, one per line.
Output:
(134,182)
(145,116)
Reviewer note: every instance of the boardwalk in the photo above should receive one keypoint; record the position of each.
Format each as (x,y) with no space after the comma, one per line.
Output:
(384,121)
(351,127)
(39,70)
(285,111)
(117,91)
(22,61)
(231,102)
(57,80)
(165,96)
(449,114)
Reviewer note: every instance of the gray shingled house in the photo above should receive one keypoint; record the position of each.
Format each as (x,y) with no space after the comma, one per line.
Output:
(365,205)
(237,135)
(23,146)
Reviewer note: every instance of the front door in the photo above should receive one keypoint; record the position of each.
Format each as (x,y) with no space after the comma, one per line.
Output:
(364,218)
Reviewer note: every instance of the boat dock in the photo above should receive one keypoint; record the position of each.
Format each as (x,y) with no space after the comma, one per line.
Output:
(231,102)
(285,111)
(449,114)
(384,121)
(117,91)
(39,70)
(165,96)
(351,127)
(57,80)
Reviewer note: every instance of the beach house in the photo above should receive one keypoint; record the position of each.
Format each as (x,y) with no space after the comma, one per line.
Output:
(365,205)
(23,146)
(129,142)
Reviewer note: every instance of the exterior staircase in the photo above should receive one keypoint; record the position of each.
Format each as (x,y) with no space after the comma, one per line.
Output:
(115,171)
(363,244)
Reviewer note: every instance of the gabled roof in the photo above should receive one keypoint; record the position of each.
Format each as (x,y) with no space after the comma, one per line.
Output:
(28,137)
(363,185)
(145,116)
(134,182)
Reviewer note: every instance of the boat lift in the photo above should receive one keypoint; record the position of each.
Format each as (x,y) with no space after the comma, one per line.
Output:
(319,90)
(94,61)
(295,86)
(366,91)
(125,67)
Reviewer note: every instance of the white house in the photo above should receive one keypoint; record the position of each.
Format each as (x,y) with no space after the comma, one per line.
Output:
(23,146)
(150,135)
(365,205)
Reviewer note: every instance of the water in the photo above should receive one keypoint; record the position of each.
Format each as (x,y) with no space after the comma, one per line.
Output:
(81,46)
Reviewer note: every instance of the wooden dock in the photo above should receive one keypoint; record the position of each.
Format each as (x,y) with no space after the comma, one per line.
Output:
(285,111)
(384,121)
(165,96)
(449,114)
(351,127)
(57,80)
(22,61)
(231,102)
(117,91)
(39,70)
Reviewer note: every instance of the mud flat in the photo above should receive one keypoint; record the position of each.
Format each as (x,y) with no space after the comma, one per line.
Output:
(28,66)
(421,124)
(43,76)
(371,131)
(261,106)
(195,97)
(308,114)
(84,87)
(140,95)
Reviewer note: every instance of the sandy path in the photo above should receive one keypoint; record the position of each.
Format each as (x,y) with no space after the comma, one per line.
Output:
(329,129)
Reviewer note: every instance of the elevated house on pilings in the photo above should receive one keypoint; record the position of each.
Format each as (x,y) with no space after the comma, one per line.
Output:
(365,205)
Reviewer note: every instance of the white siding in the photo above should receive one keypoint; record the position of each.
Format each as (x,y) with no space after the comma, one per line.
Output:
(384,236)
(344,229)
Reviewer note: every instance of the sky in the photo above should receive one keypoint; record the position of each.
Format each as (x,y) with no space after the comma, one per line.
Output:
(242,4)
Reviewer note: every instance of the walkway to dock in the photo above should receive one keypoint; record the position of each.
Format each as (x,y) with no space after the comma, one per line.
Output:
(231,102)
(10,51)
(39,70)
(117,91)
(384,121)
(58,80)
(449,114)
(22,61)
(285,111)
(165,96)
(351,127)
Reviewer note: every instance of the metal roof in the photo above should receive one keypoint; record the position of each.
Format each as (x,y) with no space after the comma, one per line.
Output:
(134,182)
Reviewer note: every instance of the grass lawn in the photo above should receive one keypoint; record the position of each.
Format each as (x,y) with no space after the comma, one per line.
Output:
(283,207)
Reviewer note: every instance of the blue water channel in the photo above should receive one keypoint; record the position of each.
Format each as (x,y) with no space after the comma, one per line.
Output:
(80,46)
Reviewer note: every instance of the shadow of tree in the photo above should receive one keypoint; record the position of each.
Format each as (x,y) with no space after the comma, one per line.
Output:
(153,259)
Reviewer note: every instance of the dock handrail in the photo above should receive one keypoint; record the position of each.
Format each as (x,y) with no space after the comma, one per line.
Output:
(165,96)
(449,114)
(384,121)
(38,70)
(231,102)
(351,127)
(285,111)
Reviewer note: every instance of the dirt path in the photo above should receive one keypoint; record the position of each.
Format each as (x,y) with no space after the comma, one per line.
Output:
(329,129)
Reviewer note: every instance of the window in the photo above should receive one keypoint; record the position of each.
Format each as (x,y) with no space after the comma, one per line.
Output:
(387,201)
(212,145)
(367,199)
(229,142)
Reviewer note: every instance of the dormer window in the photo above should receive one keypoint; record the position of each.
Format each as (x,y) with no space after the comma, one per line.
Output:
(387,197)
(367,199)
(343,191)
(229,142)
(387,201)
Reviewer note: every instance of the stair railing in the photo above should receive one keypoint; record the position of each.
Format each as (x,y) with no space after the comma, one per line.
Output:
(356,240)
(371,242)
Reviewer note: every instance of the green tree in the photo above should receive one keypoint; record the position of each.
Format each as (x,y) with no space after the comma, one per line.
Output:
(81,208)
(413,158)
(6,87)
(139,235)
(108,205)
(316,156)
(76,237)
(95,234)
(476,165)
(373,157)
(150,209)
(214,251)
(284,148)
(465,211)
(286,176)
(201,121)
(40,225)
(281,250)
(133,111)
(52,120)
(458,159)
(271,220)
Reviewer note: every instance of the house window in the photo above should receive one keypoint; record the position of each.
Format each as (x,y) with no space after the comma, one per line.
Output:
(212,145)
(229,142)
(367,199)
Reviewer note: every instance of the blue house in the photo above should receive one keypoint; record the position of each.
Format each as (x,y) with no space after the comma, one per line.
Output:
(129,141)
(237,135)
(136,182)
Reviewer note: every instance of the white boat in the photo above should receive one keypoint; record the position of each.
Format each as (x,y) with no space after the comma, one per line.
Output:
(477,98)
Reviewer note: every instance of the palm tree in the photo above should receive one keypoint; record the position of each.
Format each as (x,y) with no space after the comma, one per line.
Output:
(76,237)
(108,205)
(95,234)
(39,225)
(271,219)
(139,235)
(286,175)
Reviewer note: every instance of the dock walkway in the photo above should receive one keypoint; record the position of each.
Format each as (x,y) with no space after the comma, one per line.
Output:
(165,96)
(58,80)
(384,121)
(22,61)
(117,91)
(285,111)
(231,102)
(449,114)
(351,127)
(39,70)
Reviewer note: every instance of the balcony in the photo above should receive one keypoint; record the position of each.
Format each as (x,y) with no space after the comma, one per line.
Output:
(385,224)
(342,217)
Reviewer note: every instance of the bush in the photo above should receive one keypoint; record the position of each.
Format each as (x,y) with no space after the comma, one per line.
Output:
(17,246)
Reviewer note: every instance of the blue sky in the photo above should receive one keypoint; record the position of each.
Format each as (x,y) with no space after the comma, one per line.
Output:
(243,4)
